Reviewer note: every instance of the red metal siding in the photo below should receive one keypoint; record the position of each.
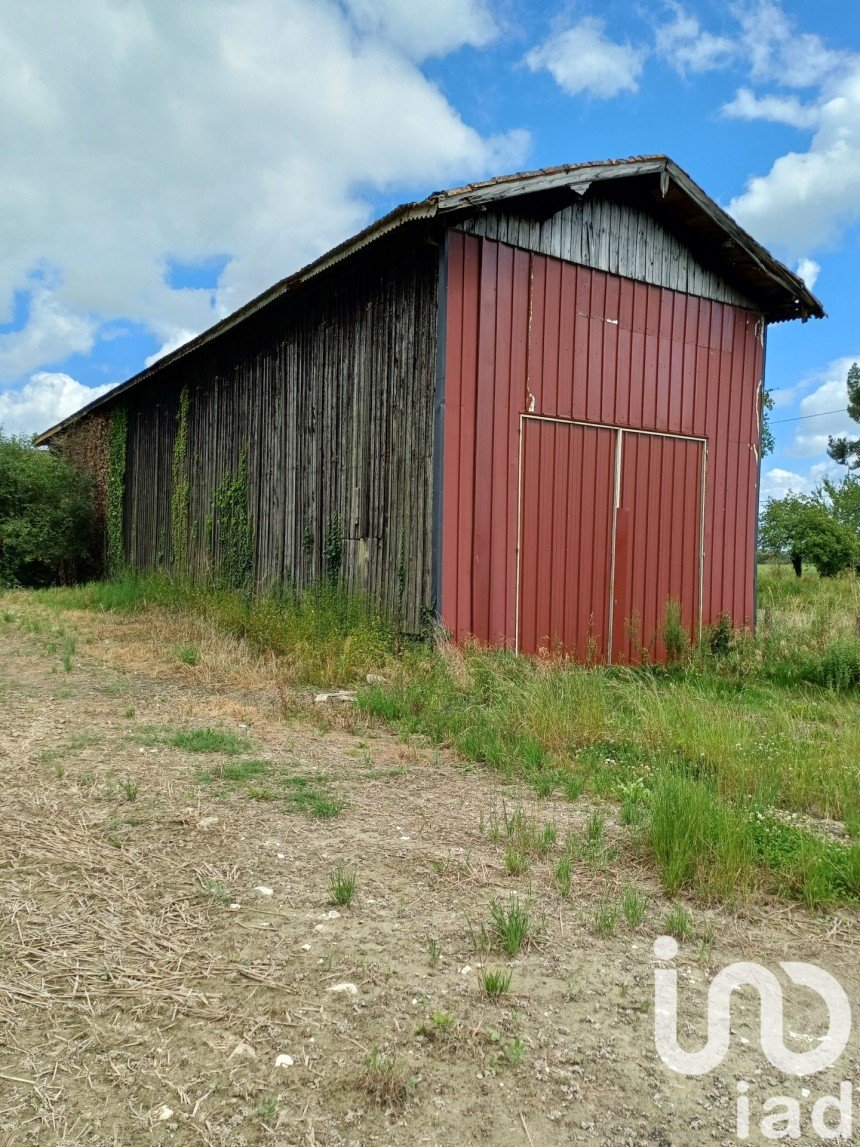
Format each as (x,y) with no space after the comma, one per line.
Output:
(565,538)
(484,393)
(531,333)
(658,542)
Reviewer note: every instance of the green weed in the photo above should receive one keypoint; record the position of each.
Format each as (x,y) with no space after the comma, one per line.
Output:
(384,1081)
(312,800)
(188,654)
(516,861)
(512,925)
(679,923)
(561,875)
(495,982)
(606,917)
(341,886)
(441,1025)
(214,890)
(210,741)
(634,904)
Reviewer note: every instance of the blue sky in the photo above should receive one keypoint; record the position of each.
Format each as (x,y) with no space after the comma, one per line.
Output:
(164,162)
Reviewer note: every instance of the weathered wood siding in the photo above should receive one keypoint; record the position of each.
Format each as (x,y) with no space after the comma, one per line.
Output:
(329,394)
(607,235)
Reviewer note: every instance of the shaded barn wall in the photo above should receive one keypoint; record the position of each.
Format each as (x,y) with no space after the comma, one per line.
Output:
(528,333)
(608,235)
(323,402)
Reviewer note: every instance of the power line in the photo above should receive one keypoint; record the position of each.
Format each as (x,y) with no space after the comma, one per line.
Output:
(802,417)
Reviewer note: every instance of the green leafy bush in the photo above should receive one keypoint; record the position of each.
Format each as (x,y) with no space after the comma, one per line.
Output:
(48,531)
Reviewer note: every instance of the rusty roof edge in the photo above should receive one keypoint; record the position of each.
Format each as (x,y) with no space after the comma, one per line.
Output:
(768,263)
(475,194)
(422,209)
(548,178)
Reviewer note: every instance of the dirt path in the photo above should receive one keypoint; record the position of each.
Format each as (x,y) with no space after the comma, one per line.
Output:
(167,930)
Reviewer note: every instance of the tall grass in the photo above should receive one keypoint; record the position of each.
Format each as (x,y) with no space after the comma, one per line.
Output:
(710,758)
(322,635)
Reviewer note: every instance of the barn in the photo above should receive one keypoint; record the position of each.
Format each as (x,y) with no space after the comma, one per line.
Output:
(528,407)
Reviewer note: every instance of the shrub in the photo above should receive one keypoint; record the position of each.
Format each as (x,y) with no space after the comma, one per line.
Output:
(830,546)
(48,531)
(675,636)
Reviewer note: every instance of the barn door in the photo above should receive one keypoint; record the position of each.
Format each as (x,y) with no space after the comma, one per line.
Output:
(565,545)
(658,542)
(609,532)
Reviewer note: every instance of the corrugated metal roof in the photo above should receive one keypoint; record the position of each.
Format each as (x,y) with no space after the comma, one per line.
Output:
(672,193)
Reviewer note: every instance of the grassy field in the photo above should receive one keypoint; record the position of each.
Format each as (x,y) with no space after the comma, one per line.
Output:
(736,770)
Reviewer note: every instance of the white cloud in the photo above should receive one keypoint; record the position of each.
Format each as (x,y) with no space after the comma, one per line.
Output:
(50,333)
(138,133)
(777,109)
(776,483)
(176,340)
(688,48)
(583,60)
(822,410)
(777,52)
(820,421)
(808,270)
(810,195)
(43,401)
(423,30)
(763,39)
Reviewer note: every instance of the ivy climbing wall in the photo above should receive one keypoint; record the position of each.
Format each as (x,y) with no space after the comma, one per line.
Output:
(299,446)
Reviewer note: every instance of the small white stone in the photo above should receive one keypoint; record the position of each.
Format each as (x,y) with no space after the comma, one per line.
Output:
(284,1060)
(404,838)
(333,915)
(263,890)
(465,971)
(235,906)
(281,856)
(339,696)
(306,947)
(350,989)
(163,1112)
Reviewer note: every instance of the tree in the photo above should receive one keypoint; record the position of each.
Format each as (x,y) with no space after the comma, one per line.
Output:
(781,528)
(841,497)
(846,451)
(47,524)
(827,544)
(766,437)
(803,528)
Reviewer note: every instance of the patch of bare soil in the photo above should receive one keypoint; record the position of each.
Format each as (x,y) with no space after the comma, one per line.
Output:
(173,969)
